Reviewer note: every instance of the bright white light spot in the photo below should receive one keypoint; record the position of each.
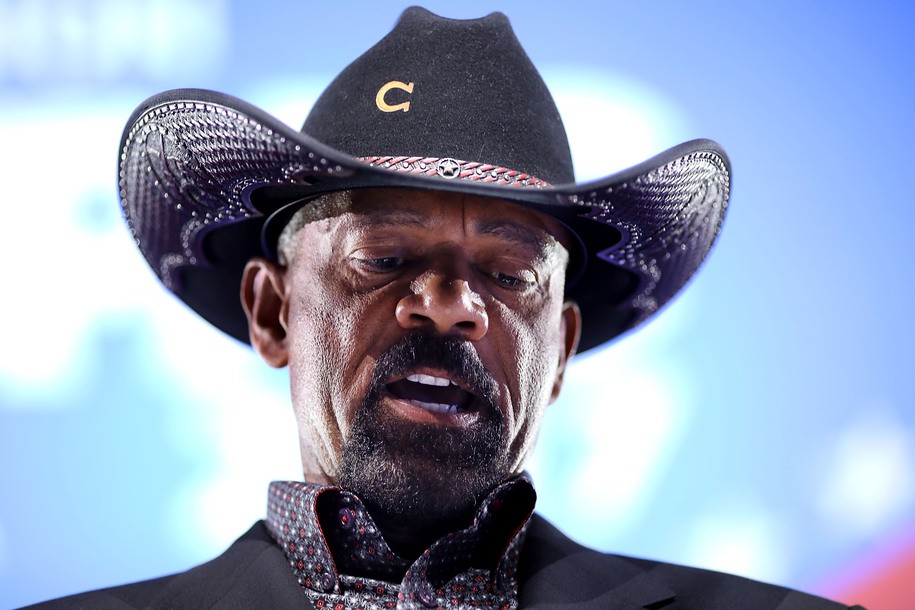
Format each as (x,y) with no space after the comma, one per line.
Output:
(627,408)
(870,479)
(290,103)
(740,536)
(242,426)
(250,439)
(172,23)
(631,425)
(613,123)
(65,273)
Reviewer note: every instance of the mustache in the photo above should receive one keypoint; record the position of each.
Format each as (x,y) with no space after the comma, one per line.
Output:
(456,357)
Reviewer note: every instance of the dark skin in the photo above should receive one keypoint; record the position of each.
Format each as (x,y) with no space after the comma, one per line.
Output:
(480,271)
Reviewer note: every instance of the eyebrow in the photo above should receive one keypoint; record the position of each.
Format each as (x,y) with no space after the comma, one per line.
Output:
(503,229)
(515,232)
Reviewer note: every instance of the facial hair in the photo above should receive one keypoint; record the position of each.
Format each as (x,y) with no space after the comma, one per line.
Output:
(421,475)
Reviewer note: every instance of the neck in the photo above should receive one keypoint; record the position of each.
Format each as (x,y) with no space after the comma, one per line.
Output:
(409,538)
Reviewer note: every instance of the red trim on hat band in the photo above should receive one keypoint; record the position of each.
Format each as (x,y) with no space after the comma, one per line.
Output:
(449,169)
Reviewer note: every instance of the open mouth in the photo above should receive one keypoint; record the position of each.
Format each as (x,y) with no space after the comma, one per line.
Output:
(432,393)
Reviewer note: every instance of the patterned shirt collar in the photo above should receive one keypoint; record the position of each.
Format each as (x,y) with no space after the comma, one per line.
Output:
(338,554)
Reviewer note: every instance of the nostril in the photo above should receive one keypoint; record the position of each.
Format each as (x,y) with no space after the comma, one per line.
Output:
(443,303)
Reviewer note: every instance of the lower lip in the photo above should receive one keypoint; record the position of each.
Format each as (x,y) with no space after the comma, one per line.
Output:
(407,410)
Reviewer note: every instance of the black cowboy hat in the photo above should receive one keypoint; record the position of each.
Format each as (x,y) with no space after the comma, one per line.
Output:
(208,181)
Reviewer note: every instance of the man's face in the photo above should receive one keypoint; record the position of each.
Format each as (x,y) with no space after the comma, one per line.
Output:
(425,333)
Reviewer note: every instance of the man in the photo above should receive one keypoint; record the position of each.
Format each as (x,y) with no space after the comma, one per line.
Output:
(421,259)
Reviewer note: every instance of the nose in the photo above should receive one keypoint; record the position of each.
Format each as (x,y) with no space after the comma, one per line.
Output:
(444,303)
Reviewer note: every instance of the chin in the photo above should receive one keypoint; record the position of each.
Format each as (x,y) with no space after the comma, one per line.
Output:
(417,474)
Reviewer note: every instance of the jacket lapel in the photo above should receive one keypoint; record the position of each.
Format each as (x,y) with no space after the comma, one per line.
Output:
(252,573)
(557,573)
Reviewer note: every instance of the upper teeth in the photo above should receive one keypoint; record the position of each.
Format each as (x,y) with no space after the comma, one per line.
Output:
(429,380)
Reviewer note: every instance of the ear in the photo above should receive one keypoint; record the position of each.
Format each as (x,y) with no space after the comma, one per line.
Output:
(570,332)
(263,296)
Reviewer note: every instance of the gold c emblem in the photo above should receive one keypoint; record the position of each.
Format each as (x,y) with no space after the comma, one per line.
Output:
(394,84)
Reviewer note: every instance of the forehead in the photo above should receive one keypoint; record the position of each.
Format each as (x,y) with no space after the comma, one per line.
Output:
(427,209)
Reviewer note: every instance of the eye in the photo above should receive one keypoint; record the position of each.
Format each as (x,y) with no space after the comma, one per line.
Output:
(386,263)
(378,262)
(508,280)
(518,281)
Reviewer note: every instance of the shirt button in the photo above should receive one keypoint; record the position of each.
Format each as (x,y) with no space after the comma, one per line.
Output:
(327,582)
(347,516)
(427,597)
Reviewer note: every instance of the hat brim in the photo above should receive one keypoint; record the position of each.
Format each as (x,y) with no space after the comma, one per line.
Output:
(200,172)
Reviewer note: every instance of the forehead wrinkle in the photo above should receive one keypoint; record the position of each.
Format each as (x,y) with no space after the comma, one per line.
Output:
(393,217)
(515,232)
(535,238)
(503,228)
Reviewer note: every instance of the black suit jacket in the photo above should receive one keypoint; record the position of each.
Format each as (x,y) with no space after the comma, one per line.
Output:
(555,574)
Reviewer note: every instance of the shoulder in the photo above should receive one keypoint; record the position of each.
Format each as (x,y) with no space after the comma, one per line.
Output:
(136,595)
(556,572)
(251,572)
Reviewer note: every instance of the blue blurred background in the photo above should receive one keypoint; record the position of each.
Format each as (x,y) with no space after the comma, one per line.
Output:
(762,424)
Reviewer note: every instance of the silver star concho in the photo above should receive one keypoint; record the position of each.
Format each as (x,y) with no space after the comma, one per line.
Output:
(448,168)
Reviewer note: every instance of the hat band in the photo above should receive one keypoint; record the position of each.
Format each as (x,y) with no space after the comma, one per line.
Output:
(451,169)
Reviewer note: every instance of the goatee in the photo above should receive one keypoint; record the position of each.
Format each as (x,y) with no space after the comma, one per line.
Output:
(425,476)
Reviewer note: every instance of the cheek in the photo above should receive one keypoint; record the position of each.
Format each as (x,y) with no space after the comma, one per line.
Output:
(320,338)
(538,367)
(332,335)
(535,343)
(320,344)
(534,368)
